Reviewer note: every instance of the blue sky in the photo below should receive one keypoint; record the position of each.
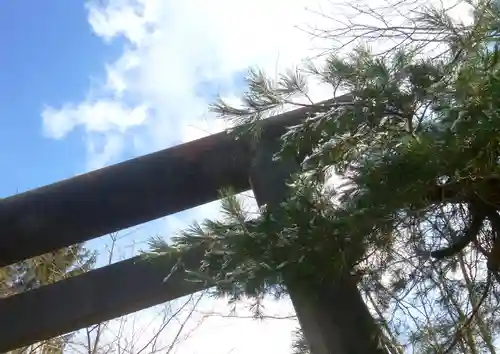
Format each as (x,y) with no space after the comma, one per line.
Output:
(49,56)
(87,84)
(52,57)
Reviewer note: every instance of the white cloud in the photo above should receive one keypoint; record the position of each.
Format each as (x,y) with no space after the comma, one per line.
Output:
(101,116)
(171,49)
(103,148)
(105,122)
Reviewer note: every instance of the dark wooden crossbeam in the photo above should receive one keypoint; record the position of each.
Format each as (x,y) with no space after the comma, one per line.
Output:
(104,201)
(120,196)
(92,298)
(129,193)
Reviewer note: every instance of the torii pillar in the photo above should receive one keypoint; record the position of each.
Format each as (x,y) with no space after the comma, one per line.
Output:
(333,315)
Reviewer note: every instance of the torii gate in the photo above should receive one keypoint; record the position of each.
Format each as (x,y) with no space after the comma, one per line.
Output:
(136,191)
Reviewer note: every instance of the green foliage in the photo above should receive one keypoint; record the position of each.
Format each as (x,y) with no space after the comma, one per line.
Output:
(247,255)
(417,150)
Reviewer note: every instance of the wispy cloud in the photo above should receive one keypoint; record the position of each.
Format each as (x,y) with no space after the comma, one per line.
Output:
(171,50)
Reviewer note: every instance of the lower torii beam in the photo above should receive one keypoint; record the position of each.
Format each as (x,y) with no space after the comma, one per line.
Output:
(94,297)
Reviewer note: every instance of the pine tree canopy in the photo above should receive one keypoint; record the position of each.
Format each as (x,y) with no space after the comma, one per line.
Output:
(417,151)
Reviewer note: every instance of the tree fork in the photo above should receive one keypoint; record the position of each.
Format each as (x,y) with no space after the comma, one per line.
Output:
(333,315)
(470,235)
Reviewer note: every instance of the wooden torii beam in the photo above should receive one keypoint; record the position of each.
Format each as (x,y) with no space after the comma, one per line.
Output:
(94,297)
(104,201)
(129,193)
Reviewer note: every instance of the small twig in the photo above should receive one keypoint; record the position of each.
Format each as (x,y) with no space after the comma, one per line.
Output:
(469,320)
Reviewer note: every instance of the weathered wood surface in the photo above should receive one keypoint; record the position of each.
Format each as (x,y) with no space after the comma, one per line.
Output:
(129,193)
(92,298)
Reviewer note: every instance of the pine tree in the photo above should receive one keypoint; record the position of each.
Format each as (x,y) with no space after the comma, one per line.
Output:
(44,270)
(417,216)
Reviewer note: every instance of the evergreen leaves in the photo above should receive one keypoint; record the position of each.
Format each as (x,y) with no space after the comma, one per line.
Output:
(417,149)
